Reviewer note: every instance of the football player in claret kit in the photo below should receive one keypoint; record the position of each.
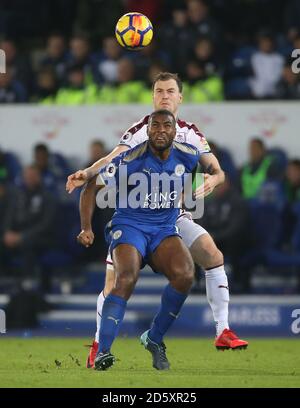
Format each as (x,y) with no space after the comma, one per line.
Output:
(143,230)
(167,94)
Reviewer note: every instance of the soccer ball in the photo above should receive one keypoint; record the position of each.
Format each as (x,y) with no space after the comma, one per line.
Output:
(134,31)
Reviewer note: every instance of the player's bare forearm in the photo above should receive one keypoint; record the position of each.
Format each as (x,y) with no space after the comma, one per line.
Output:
(87,204)
(213,175)
(80,177)
(212,167)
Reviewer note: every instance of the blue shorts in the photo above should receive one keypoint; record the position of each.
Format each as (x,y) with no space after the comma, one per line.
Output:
(144,238)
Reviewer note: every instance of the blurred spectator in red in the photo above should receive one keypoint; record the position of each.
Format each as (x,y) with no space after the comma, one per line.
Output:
(267,66)
(56,56)
(151,9)
(11,90)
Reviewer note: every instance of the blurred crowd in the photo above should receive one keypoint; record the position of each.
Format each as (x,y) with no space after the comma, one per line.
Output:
(254,216)
(64,52)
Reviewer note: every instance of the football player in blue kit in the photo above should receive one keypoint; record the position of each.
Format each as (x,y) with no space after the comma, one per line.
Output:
(147,234)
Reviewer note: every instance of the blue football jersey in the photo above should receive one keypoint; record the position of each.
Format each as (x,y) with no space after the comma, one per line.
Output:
(148,188)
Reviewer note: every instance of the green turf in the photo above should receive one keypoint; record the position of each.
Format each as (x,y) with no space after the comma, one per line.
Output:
(194,363)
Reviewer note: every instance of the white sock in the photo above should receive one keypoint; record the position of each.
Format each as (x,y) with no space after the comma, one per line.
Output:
(217,293)
(100,302)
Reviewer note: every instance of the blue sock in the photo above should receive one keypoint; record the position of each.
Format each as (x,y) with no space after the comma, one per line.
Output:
(112,316)
(171,303)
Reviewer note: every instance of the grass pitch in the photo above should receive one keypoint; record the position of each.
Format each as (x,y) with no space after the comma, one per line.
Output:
(194,363)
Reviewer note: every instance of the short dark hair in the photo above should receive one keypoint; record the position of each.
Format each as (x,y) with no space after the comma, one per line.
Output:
(165,76)
(258,141)
(294,162)
(41,147)
(162,112)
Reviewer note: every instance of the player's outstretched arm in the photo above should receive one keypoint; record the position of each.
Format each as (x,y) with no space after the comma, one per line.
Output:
(80,177)
(86,210)
(213,175)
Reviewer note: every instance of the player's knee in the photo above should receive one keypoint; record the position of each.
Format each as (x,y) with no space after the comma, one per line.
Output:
(206,254)
(183,275)
(215,258)
(125,281)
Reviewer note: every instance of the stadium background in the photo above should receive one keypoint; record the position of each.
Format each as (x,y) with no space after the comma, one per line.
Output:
(70,91)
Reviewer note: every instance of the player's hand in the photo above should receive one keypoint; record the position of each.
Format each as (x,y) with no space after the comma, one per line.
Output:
(86,238)
(76,180)
(208,186)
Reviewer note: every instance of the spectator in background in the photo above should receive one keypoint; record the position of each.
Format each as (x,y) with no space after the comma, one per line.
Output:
(105,62)
(77,91)
(146,95)
(292,19)
(4,200)
(202,24)
(260,167)
(4,172)
(49,173)
(226,218)
(176,39)
(56,56)
(146,57)
(80,55)
(29,222)
(292,180)
(46,87)
(19,65)
(226,162)
(289,85)
(127,89)
(97,151)
(205,54)
(11,90)
(202,87)
(267,67)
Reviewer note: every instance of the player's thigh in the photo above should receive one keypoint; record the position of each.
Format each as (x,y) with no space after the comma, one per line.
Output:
(205,252)
(173,259)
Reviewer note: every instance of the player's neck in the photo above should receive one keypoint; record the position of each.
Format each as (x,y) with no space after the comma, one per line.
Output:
(160,154)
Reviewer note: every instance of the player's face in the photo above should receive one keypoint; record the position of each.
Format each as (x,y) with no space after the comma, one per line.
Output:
(161,132)
(166,95)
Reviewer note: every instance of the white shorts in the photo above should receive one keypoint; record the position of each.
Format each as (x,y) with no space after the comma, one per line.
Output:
(188,229)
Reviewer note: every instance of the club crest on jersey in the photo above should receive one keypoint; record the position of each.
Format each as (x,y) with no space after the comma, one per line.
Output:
(180,138)
(117,234)
(110,170)
(126,138)
(179,169)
